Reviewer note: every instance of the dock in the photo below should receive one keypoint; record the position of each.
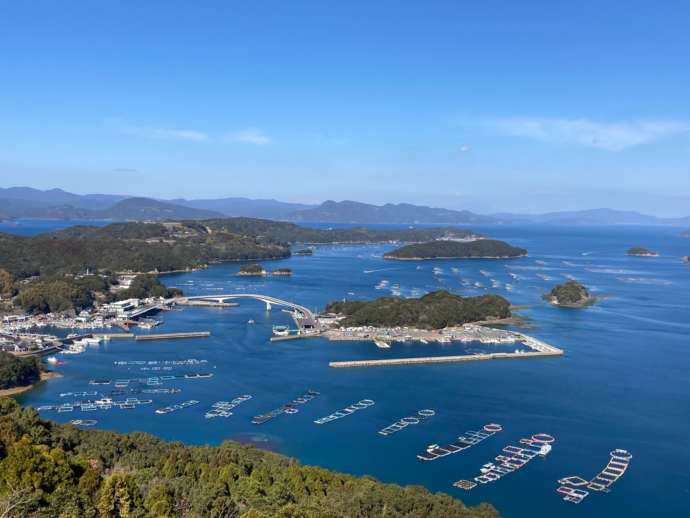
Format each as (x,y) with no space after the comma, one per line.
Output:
(294,337)
(444,359)
(173,336)
(113,336)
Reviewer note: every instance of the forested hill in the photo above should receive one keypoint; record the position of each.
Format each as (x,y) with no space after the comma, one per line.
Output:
(281,232)
(434,310)
(167,246)
(51,470)
(135,247)
(479,249)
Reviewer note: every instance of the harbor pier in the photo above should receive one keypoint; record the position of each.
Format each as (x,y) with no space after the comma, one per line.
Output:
(442,359)
(172,336)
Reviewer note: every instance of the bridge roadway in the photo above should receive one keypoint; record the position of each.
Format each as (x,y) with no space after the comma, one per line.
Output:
(308,318)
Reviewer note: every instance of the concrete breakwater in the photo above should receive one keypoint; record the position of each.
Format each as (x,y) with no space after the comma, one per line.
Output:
(173,336)
(466,333)
(443,359)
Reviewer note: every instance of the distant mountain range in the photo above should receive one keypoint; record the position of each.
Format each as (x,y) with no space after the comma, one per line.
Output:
(591,217)
(401,213)
(26,202)
(268,209)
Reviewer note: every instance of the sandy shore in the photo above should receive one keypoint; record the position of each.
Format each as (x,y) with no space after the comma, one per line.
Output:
(45,376)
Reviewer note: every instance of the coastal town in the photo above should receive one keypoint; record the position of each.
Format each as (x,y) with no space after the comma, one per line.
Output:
(20,333)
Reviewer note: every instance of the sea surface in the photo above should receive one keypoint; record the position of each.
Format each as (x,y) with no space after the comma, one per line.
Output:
(623,382)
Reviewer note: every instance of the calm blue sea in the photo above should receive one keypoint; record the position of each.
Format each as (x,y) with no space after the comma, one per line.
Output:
(623,382)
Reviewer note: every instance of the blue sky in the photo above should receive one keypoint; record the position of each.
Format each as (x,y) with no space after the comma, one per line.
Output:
(493,105)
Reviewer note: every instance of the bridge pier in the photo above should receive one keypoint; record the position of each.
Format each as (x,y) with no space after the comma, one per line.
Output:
(268,305)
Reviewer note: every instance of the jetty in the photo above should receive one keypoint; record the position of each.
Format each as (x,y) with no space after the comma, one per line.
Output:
(538,348)
(442,359)
(113,336)
(173,336)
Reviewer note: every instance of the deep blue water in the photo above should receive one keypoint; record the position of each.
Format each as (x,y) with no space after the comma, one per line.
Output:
(623,382)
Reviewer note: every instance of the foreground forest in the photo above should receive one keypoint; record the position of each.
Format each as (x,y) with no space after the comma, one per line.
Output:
(51,470)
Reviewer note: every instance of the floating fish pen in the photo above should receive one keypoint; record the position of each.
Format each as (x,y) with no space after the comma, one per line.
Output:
(469,439)
(224,408)
(465,484)
(515,458)
(152,380)
(91,405)
(572,488)
(78,394)
(420,416)
(174,408)
(83,422)
(190,361)
(360,405)
(162,391)
(287,408)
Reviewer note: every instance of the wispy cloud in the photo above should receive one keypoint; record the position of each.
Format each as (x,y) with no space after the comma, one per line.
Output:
(253,136)
(250,136)
(156,132)
(608,136)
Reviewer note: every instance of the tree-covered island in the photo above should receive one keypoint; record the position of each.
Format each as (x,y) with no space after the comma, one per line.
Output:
(53,470)
(252,270)
(570,294)
(435,310)
(450,249)
(638,251)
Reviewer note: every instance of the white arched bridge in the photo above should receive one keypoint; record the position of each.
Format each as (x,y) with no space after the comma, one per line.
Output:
(304,317)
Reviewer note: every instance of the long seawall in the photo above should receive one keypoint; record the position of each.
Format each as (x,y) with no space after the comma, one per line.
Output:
(443,359)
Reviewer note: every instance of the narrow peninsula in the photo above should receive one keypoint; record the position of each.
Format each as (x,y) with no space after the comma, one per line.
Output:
(570,294)
(451,249)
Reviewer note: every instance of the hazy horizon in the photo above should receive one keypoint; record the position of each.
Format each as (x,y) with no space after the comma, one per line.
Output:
(488,107)
(546,201)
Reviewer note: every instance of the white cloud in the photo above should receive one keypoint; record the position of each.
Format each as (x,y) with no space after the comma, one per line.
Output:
(465,148)
(157,133)
(250,136)
(609,136)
